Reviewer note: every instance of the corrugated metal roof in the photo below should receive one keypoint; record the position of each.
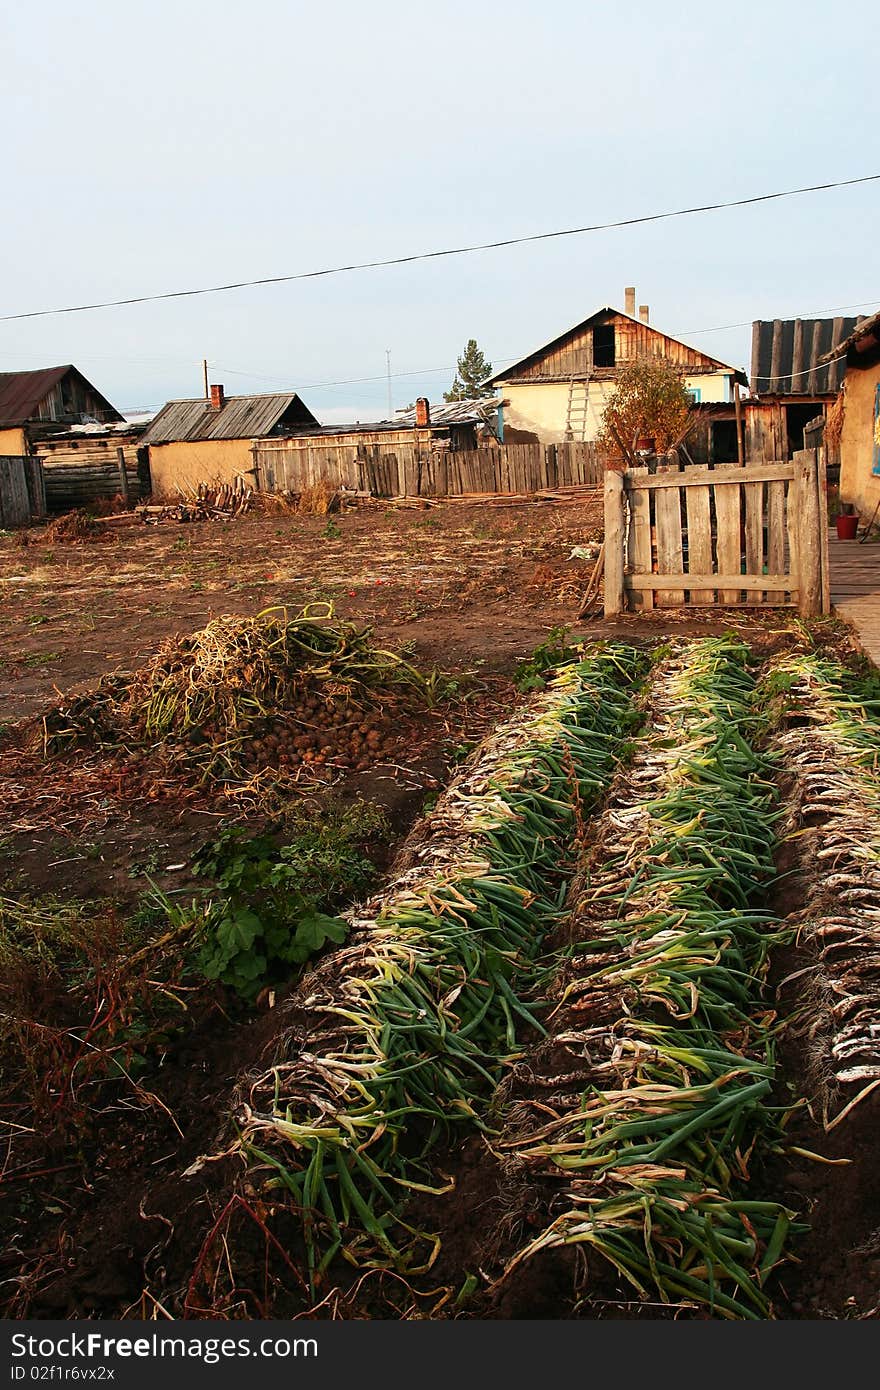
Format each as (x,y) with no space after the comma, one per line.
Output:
(240,417)
(787,356)
(455,412)
(21,392)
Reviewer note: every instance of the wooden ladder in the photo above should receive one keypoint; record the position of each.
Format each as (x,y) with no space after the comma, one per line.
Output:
(577,417)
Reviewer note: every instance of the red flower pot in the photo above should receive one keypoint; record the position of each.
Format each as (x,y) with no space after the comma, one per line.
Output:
(847,526)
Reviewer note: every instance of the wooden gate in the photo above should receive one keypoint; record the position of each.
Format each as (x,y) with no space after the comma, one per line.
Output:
(755,535)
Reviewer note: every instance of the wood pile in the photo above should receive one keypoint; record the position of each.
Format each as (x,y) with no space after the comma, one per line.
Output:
(206,502)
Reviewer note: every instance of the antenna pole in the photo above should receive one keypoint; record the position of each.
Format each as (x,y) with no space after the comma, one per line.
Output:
(205,371)
(388,369)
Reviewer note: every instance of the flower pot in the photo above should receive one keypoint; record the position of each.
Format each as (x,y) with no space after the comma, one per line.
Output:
(847,526)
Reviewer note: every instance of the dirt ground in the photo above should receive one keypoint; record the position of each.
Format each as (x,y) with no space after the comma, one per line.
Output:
(468,588)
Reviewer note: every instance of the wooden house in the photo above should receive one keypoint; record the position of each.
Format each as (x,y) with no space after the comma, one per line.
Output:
(558,392)
(858,355)
(209,439)
(36,403)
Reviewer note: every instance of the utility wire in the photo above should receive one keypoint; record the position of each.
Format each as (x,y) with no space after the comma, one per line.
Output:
(451,251)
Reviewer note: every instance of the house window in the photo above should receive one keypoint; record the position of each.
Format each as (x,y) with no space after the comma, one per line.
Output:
(696,394)
(603,345)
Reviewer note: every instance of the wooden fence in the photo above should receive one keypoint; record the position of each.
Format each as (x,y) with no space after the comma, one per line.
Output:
(290,465)
(22,491)
(731,535)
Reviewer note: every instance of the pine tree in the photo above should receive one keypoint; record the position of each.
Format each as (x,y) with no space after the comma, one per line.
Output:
(470,378)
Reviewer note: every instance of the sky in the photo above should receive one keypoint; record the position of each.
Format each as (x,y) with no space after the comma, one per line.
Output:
(165,146)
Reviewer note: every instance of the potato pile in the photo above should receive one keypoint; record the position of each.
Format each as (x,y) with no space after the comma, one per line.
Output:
(320,731)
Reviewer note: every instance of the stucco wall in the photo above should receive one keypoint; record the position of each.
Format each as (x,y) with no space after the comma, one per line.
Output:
(13,442)
(542,407)
(188,463)
(857,483)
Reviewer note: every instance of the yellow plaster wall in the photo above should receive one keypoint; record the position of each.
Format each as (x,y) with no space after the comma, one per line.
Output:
(542,407)
(13,442)
(188,463)
(857,483)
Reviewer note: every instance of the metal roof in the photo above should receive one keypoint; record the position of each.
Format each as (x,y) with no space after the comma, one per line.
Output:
(864,328)
(787,356)
(240,417)
(472,411)
(21,392)
(514,367)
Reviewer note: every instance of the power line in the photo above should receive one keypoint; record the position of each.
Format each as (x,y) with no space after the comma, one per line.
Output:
(451,251)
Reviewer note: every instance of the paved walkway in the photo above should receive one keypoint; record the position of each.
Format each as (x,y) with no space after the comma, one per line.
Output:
(855,589)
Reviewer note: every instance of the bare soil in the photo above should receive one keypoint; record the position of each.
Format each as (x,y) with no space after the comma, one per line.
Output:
(468,588)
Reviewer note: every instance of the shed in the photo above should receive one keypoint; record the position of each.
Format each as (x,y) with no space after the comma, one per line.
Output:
(50,397)
(209,440)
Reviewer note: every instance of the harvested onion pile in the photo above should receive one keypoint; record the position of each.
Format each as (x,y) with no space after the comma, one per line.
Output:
(248,695)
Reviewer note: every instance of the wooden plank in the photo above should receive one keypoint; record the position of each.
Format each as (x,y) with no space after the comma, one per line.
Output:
(15,507)
(669,547)
(775,535)
(640,548)
(728,544)
(808,537)
(823,531)
(753,473)
(753,583)
(699,527)
(754,527)
(614,542)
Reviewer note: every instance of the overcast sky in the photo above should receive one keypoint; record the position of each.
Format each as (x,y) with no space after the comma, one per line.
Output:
(162,146)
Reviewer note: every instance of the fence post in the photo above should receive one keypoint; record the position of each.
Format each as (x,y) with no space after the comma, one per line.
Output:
(614,539)
(123,476)
(809,538)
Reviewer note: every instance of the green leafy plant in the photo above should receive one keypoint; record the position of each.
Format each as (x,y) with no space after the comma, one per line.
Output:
(272,907)
(331,531)
(531,671)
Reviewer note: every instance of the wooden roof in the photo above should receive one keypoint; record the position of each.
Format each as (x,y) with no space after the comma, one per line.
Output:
(554,360)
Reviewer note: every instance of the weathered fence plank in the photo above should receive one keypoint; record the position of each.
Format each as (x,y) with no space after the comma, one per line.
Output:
(15,501)
(699,532)
(614,544)
(808,539)
(642,549)
(669,543)
(728,543)
(775,535)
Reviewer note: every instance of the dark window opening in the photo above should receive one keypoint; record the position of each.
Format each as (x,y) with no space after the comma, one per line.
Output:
(724,442)
(603,345)
(796,416)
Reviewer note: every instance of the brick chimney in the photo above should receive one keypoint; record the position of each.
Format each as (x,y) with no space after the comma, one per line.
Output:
(643,313)
(423,413)
(629,295)
(218,399)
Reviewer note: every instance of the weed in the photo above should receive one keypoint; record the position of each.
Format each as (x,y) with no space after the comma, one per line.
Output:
(41,659)
(530,672)
(331,531)
(270,910)
(37,619)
